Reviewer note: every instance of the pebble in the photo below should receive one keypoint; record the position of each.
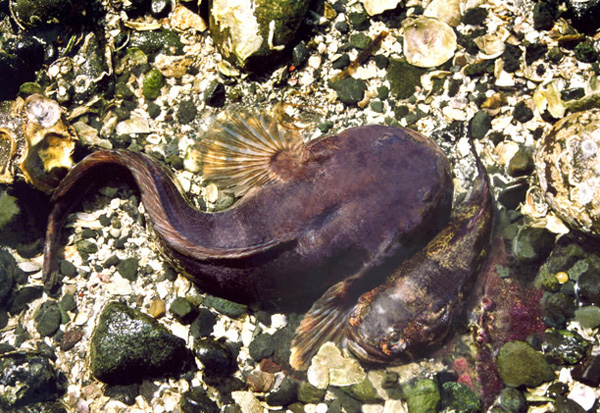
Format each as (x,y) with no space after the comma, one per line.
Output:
(123,393)
(47,318)
(564,347)
(128,345)
(215,356)
(587,371)
(86,247)
(588,316)
(7,268)
(68,269)
(480,124)
(520,164)
(196,400)
(584,14)
(187,111)
(532,245)
(157,308)
(307,393)
(183,310)
(422,397)
(300,55)
(544,15)
(153,82)
(404,78)
(588,287)
(513,401)
(214,95)
(203,324)
(24,296)
(153,41)
(128,268)
(522,113)
(225,307)
(329,367)
(70,338)
(286,393)
(519,364)
(341,62)
(261,347)
(350,91)
(260,381)
(557,308)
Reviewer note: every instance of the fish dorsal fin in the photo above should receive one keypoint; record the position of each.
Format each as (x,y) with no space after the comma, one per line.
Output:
(244,150)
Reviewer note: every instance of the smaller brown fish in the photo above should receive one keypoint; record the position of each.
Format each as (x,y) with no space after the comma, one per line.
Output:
(414,308)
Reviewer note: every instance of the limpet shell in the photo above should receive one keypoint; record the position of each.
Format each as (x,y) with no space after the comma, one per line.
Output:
(568,170)
(428,42)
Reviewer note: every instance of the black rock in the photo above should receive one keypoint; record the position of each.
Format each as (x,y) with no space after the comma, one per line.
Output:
(47,318)
(151,42)
(128,345)
(544,14)
(475,16)
(300,54)
(123,393)
(512,196)
(520,164)
(215,95)
(571,94)
(534,52)
(203,324)
(341,62)
(512,58)
(522,113)
(68,269)
(196,400)
(360,21)
(26,379)
(564,347)
(557,309)
(588,287)
(565,405)
(24,296)
(404,78)
(533,245)
(216,357)
(128,268)
(584,14)
(7,270)
(588,370)
(342,27)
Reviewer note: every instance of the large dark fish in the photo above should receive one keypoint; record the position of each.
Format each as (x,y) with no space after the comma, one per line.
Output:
(312,215)
(414,308)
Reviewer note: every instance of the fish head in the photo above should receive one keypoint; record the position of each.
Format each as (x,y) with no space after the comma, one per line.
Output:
(378,332)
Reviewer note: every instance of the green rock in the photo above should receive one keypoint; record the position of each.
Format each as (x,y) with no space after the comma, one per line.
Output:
(47,318)
(186,112)
(307,393)
(226,307)
(42,12)
(68,269)
(532,245)
(363,391)
(519,364)
(585,52)
(262,346)
(564,347)
(423,397)
(128,345)
(377,106)
(128,268)
(9,209)
(350,90)
(30,88)
(457,397)
(404,78)
(153,82)
(86,246)
(360,41)
(544,14)
(253,34)
(154,41)
(588,316)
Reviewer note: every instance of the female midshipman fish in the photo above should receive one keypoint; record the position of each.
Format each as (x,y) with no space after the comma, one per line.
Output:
(336,208)
(414,309)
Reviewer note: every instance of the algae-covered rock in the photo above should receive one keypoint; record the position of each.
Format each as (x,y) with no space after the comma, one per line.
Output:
(458,397)
(128,345)
(423,397)
(250,33)
(519,364)
(404,78)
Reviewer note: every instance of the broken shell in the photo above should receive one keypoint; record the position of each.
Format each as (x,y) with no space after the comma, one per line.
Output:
(428,42)
(34,139)
(568,169)
(492,45)
(447,11)
(374,7)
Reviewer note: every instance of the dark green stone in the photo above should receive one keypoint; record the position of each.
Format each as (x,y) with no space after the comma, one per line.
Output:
(215,94)
(226,307)
(203,324)
(285,394)
(87,247)
(196,400)
(423,397)
(404,78)
(307,393)
(377,106)
(522,113)
(544,15)
(300,54)
(513,401)
(128,268)
(350,90)
(183,310)
(564,347)
(363,391)
(480,124)
(532,245)
(518,364)
(150,42)
(262,346)
(475,16)
(585,52)
(187,111)
(47,318)
(128,345)
(341,62)
(521,163)
(360,41)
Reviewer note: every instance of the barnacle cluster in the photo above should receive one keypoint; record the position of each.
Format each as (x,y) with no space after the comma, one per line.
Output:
(35,141)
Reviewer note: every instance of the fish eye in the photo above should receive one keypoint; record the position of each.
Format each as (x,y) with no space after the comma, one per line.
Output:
(394,337)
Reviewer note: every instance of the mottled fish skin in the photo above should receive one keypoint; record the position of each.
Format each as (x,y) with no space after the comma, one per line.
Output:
(352,200)
(414,309)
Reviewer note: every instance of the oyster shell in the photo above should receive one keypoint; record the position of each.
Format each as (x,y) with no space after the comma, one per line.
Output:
(428,42)
(568,169)
(35,139)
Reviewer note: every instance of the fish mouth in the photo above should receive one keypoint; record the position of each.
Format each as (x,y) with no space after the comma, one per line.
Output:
(364,351)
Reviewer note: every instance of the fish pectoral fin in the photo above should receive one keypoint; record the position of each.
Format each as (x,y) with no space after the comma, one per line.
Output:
(244,150)
(200,252)
(325,321)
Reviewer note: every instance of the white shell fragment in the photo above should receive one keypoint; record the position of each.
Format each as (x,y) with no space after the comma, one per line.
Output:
(447,11)
(374,7)
(428,42)
(568,169)
(329,367)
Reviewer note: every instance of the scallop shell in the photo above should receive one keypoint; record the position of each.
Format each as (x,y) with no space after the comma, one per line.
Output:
(568,169)
(428,42)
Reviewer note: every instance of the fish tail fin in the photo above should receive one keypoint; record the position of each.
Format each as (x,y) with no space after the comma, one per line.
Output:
(325,321)
(245,150)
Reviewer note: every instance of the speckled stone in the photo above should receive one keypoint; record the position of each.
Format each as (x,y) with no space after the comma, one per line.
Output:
(350,90)
(564,347)
(422,397)
(261,347)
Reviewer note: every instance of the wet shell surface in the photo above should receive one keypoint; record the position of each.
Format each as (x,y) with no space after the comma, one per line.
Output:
(428,42)
(568,169)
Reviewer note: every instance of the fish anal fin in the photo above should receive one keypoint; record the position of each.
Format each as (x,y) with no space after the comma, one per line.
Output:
(243,150)
(324,322)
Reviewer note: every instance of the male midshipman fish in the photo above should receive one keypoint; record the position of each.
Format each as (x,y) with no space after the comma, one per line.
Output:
(414,308)
(313,214)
